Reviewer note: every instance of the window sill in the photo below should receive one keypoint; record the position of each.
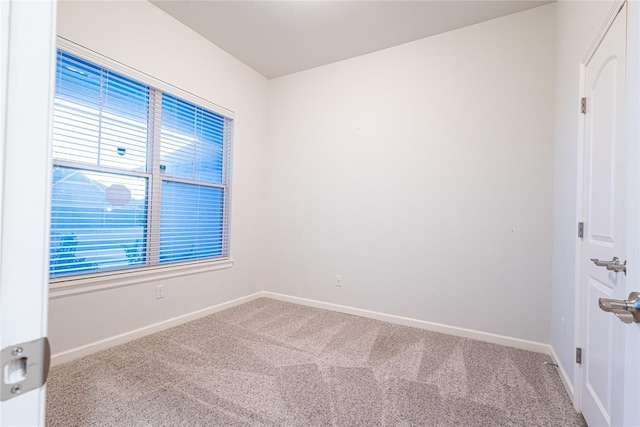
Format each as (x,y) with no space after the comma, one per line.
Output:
(63,287)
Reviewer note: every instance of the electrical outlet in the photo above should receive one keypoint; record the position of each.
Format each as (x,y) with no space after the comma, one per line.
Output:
(339,281)
(159,291)
(562,326)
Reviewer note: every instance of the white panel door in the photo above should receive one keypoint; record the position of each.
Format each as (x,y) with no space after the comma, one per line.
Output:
(602,370)
(27,37)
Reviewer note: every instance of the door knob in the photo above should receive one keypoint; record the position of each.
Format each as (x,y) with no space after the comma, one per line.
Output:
(627,310)
(613,265)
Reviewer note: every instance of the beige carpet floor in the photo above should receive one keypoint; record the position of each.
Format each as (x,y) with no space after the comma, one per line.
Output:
(271,363)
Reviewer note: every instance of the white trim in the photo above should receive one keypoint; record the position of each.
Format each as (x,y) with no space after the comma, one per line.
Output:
(602,31)
(631,394)
(65,286)
(566,381)
(577,290)
(141,76)
(62,287)
(538,347)
(96,346)
(27,36)
(85,350)
(579,340)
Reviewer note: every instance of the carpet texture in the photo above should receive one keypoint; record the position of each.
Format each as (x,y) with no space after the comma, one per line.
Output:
(272,363)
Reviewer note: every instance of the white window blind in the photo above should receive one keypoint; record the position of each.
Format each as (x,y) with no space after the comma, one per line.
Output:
(140,177)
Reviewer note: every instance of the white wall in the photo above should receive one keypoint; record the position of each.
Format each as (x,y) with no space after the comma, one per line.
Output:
(422,174)
(143,37)
(577,24)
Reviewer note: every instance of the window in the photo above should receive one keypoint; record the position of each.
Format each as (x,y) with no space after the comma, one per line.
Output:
(140,176)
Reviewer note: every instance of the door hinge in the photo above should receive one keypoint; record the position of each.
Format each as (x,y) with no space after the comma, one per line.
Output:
(578,355)
(583,105)
(581,230)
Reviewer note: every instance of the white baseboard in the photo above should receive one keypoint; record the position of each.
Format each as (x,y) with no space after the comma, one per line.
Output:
(96,346)
(537,347)
(568,384)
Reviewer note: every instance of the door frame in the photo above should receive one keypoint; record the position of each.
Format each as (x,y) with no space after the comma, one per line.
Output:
(632,332)
(27,81)
(632,245)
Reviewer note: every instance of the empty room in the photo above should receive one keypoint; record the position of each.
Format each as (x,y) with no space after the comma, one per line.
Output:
(312,213)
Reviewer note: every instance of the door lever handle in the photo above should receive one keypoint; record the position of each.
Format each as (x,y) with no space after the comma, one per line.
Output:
(613,265)
(617,267)
(627,310)
(602,263)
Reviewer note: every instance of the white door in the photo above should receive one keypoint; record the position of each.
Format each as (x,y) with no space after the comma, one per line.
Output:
(27,37)
(602,371)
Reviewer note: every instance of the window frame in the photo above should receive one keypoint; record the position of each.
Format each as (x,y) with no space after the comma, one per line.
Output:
(153,270)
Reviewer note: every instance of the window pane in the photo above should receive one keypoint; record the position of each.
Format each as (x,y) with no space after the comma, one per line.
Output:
(98,221)
(100,117)
(102,218)
(191,222)
(191,144)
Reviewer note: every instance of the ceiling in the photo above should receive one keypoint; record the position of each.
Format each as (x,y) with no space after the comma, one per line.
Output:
(277,38)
